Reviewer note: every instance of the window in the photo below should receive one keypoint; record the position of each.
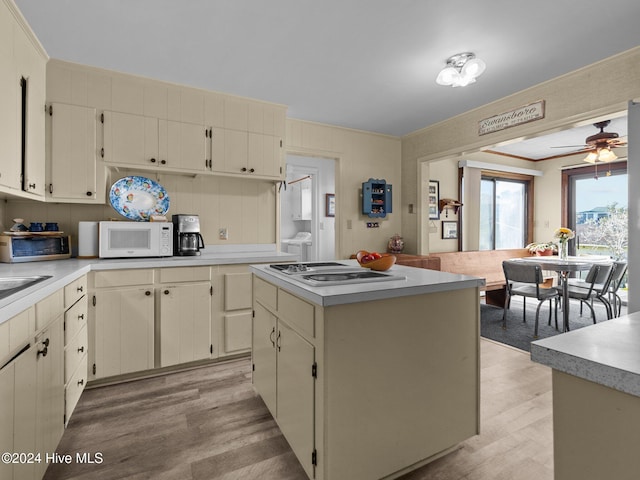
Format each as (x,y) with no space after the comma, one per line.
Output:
(505,211)
(597,209)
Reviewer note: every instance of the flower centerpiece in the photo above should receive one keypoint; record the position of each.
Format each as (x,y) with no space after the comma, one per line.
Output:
(562,236)
(541,248)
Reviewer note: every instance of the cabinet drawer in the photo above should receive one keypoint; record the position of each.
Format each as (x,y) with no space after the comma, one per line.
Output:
(49,309)
(74,352)
(74,319)
(123,278)
(185,274)
(16,332)
(74,291)
(237,291)
(74,387)
(266,293)
(297,313)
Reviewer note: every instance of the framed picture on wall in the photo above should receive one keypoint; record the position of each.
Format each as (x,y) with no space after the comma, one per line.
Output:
(433,198)
(330,205)
(449,230)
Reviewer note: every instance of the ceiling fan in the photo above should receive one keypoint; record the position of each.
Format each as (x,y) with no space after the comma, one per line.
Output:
(600,145)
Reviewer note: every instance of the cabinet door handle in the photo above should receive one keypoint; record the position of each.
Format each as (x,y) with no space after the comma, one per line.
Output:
(81,349)
(243,169)
(89,194)
(81,381)
(81,316)
(152,160)
(80,289)
(163,162)
(273,343)
(45,350)
(252,170)
(278,340)
(147,293)
(32,185)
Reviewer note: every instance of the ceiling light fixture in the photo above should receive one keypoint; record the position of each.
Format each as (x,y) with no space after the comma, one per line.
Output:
(600,155)
(462,69)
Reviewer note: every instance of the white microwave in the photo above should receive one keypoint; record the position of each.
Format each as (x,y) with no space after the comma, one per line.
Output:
(135,239)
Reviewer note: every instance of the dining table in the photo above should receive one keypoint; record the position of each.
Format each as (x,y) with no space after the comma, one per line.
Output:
(564,268)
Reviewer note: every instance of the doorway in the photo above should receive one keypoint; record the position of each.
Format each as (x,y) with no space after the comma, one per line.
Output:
(305,226)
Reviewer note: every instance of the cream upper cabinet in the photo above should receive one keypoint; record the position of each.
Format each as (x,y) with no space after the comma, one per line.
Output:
(149,142)
(9,88)
(130,139)
(73,161)
(22,94)
(183,145)
(32,71)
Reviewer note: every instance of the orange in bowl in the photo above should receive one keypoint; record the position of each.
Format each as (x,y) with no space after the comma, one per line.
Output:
(384,262)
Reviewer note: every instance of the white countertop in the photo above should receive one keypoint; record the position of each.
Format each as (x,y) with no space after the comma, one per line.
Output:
(417,281)
(607,353)
(63,272)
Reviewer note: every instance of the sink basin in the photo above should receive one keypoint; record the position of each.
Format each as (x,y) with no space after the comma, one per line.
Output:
(11,285)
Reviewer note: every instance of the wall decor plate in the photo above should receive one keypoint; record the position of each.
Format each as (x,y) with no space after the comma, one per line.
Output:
(137,198)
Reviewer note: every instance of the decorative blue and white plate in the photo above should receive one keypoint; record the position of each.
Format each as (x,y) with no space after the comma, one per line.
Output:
(137,198)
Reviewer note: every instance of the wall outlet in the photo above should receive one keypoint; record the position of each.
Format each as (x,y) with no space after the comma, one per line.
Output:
(223,233)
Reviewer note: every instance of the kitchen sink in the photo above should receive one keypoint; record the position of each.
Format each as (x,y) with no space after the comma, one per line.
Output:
(11,285)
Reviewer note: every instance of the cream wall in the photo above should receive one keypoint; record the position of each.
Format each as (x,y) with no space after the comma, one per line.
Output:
(446,172)
(246,208)
(360,156)
(598,90)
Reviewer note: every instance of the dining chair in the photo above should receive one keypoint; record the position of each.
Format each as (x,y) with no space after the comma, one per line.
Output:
(595,286)
(525,279)
(616,280)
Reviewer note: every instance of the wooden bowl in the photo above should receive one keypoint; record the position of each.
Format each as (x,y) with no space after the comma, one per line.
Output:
(381,264)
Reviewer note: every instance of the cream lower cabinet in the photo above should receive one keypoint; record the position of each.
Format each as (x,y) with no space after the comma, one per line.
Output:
(76,343)
(39,400)
(7,375)
(284,367)
(233,309)
(184,316)
(371,389)
(50,391)
(121,322)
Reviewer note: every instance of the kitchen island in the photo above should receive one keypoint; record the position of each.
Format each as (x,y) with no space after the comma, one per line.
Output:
(368,380)
(596,399)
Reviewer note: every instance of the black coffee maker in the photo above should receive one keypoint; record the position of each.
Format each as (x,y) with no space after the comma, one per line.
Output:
(186,235)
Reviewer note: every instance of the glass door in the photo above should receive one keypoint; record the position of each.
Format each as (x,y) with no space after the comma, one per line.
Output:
(598,210)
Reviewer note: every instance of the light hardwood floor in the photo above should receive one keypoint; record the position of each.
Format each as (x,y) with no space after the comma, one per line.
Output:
(208,423)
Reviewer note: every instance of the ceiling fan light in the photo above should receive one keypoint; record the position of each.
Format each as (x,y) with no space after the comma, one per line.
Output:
(606,155)
(592,157)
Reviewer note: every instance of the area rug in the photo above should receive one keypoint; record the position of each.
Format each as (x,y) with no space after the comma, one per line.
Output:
(519,334)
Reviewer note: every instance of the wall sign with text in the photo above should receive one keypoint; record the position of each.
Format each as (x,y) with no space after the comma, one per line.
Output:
(526,114)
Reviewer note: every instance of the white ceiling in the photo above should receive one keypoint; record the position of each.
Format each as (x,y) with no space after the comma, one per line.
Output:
(365,64)
(562,143)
